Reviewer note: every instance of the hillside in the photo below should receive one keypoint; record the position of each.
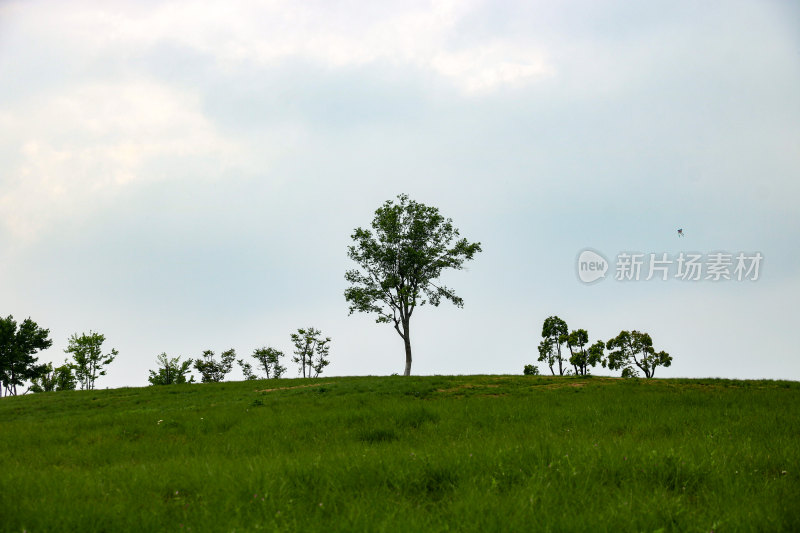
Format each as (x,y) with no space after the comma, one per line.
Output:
(464,453)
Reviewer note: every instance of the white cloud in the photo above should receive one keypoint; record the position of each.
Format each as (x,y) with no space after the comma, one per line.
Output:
(488,67)
(417,34)
(85,145)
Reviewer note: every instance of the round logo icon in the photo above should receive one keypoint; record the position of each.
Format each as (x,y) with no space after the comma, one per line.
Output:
(591,266)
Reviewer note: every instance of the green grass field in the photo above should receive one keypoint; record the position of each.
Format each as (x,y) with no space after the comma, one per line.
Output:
(441,453)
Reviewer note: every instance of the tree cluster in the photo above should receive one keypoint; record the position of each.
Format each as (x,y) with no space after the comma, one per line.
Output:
(399,261)
(627,351)
(311,353)
(19,344)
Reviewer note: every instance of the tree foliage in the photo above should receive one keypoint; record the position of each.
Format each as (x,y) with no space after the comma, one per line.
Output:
(269,360)
(632,349)
(18,345)
(400,261)
(547,354)
(212,370)
(247,370)
(55,378)
(581,356)
(171,371)
(311,351)
(90,361)
(554,334)
(531,370)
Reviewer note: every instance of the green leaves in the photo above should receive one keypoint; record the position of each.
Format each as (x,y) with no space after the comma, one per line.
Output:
(554,331)
(170,371)
(554,328)
(400,260)
(311,350)
(54,379)
(635,348)
(18,344)
(407,249)
(531,370)
(269,359)
(212,370)
(90,362)
(546,353)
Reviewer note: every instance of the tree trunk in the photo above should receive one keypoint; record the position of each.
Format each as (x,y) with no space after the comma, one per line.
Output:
(407,342)
(560,367)
(572,356)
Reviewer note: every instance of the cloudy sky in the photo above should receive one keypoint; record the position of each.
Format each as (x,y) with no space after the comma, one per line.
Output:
(183,176)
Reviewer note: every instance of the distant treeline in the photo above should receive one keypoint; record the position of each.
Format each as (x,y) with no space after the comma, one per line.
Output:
(19,365)
(630,351)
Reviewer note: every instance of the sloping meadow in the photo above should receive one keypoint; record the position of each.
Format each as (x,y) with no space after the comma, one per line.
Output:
(465,453)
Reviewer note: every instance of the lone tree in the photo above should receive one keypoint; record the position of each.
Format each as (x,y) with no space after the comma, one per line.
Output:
(17,348)
(554,334)
(531,370)
(311,350)
(171,371)
(90,362)
(400,261)
(631,348)
(247,370)
(212,370)
(270,360)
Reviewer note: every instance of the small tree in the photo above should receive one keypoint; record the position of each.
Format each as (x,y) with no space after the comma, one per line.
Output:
(17,348)
(270,360)
(631,348)
(311,351)
(400,262)
(55,379)
(547,354)
(90,362)
(582,357)
(212,370)
(531,370)
(247,370)
(554,333)
(170,371)
(595,354)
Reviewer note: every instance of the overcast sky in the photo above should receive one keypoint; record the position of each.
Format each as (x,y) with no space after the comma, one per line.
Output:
(183,176)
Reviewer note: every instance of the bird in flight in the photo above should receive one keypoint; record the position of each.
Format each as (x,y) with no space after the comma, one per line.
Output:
(680,232)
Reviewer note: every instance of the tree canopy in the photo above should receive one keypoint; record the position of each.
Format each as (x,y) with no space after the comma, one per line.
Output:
(171,371)
(400,261)
(90,361)
(18,345)
(212,370)
(270,360)
(554,334)
(311,351)
(632,349)
(55,378)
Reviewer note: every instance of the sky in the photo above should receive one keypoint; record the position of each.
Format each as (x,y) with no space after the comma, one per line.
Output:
(183,176)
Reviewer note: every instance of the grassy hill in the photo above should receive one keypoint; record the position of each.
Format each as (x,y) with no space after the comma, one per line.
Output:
(458,453)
